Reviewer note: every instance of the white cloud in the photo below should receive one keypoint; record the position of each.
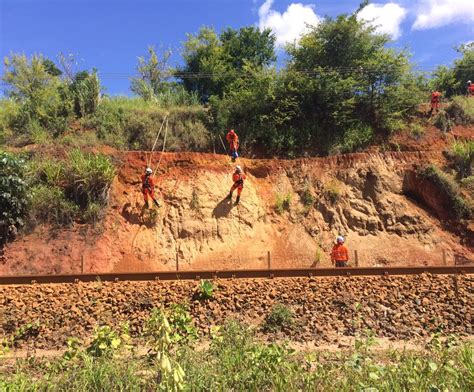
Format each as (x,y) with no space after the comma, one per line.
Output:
(386,17)
(289,25)
(437,13)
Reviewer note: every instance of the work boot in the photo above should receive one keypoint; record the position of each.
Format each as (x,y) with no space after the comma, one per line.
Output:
(147,206)
(156,203)
(237,200)
(229,196)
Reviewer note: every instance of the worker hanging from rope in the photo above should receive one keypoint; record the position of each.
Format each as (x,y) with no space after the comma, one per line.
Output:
(238,177)
(148,188)
(435,101)
(233,141)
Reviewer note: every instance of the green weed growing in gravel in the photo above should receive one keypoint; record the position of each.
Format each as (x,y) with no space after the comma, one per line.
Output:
(279,317)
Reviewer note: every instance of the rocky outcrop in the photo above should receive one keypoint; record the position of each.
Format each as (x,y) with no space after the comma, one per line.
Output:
(358,195)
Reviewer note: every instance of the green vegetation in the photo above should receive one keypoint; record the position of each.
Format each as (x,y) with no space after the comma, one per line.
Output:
(205,290)
(236,360)
(13,195)
(462,153)
(307,197)
(283,203)
(459,208)
(332,190)
(452,81)
(342,88)
(279,317)
(69,189)
(417,130)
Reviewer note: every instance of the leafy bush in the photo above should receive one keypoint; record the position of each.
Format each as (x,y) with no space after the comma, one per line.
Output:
(468,183)
(283,203)
(49,204)
(332,190)
(307,197)
(417,130)
(443,121)
(106,341)
(462,153)
(456,114)
(467,106)
(279,317)
(459,208)
(88,178)
(182,328)
(205,290)
(13,195)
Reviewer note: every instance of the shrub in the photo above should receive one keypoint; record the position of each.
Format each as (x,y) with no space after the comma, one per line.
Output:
(459,208)
(49,204)
(417,130)
(462,153)
(467,106)
(182,328)
(106,341)
(283,203)
(88,178)
(307,197)
(443,121)
(468,183)
(332,190)
(457,115)
(13,195)
(279,317)
(205,290)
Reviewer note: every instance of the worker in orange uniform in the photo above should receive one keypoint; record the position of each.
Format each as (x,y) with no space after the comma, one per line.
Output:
(339,253)
(470,89)
(435,101)
(233,141)
(238,177)
(148,188)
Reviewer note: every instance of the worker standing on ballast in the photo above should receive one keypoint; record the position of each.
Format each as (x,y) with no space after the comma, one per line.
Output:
(148,188)
(238,177)
(233,141)
(339,253)
(435,101)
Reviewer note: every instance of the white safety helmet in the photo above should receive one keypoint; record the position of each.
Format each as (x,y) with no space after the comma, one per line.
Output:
(238,169)
(148,170)
(340,239)
(469,82)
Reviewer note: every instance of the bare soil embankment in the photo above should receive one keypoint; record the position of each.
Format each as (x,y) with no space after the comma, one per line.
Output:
(360,195)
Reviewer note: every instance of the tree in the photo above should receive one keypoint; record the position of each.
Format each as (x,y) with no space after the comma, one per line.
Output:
(464,67)
(13,195)
(86,91)
(26,79)
(213,62)
(153,73)
(51,68)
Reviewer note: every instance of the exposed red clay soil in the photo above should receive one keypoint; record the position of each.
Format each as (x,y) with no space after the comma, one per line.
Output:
(359,195)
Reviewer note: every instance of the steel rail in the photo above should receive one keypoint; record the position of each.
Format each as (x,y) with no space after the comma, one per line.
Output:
(237,274)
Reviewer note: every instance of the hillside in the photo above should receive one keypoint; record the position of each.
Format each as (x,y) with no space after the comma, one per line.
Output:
(361,195)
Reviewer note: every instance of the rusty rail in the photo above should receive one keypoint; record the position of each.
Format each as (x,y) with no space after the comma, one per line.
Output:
(237,274)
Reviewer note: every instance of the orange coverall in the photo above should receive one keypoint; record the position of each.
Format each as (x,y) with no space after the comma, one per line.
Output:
(238,179)
(233,140)
(340,255)
(148,187)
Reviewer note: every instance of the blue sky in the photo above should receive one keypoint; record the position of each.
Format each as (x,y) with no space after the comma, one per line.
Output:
(109,35)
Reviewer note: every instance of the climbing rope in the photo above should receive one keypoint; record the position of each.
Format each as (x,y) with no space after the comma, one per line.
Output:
(156,140)
(163,149)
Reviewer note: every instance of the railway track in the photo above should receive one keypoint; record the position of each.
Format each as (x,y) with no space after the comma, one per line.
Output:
(236,274)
